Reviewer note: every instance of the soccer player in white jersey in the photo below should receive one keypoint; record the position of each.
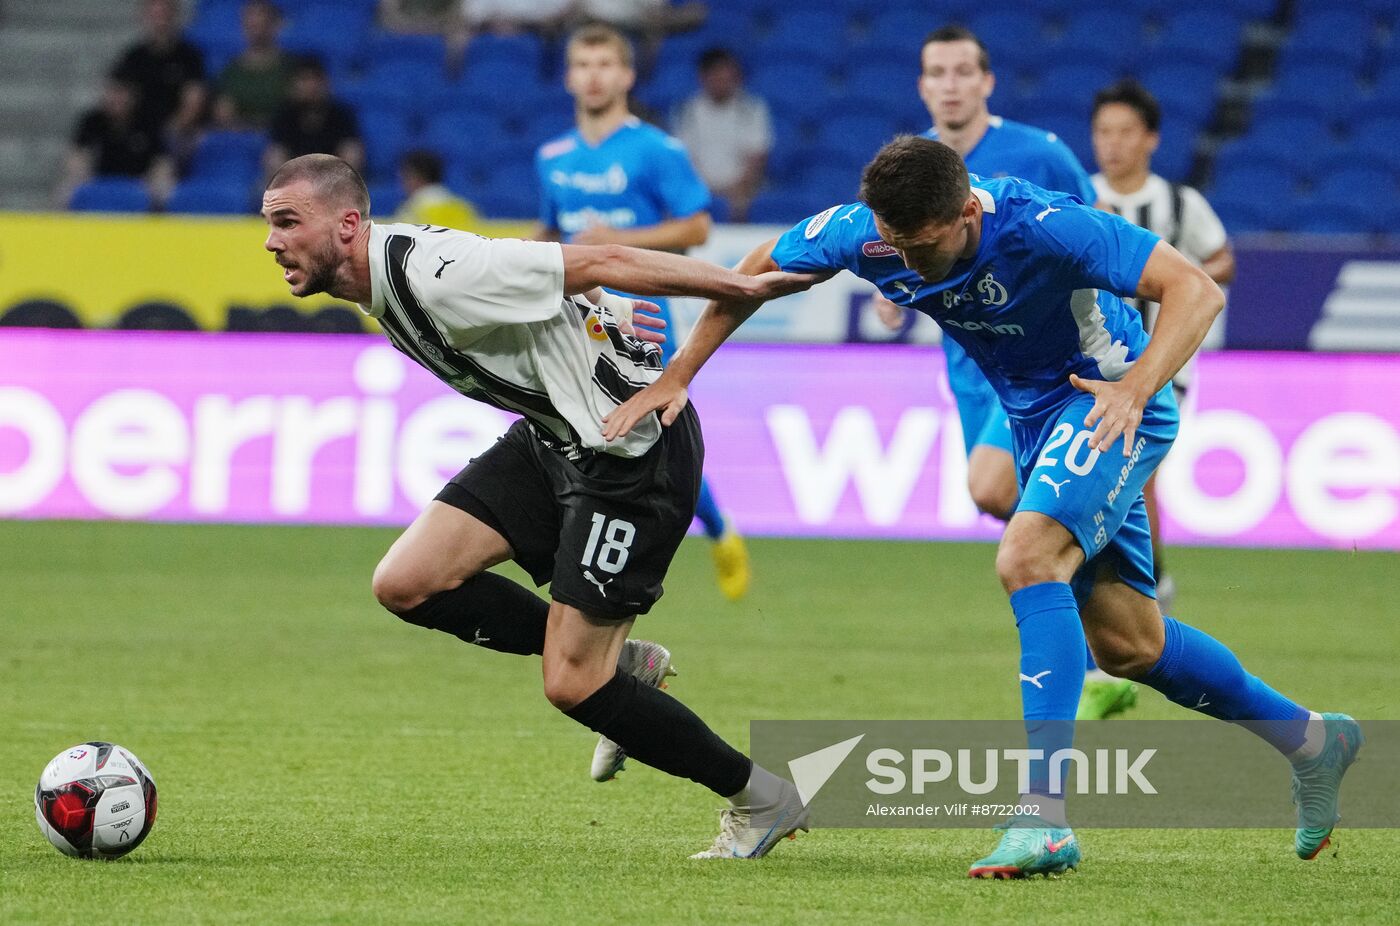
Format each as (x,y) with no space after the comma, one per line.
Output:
(1126,131)
(524,326)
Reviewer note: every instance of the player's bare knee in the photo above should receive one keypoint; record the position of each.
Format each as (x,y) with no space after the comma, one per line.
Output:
(1121,655)
(1019,566)
(395,590)
(993,497)
(567,686)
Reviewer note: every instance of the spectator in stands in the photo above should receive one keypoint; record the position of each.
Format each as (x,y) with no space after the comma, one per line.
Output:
(429,202)
(312,122)
(727,131)
(167,72)
(110,141)
(1126,123)
(256,83)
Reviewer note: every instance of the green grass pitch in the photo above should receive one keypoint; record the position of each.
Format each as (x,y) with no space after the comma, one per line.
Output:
(320,762)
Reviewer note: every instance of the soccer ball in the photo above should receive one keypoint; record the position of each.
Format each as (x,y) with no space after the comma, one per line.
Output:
(95,800)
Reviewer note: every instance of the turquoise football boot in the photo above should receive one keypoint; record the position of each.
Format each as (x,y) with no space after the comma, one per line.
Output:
(1317,783)
(1029,846)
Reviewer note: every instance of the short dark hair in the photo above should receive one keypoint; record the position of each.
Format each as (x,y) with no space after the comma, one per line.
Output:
(335,181)
(1135,96)
(309,65)
(717,55)
(914,181)
(956,33)
(424,163)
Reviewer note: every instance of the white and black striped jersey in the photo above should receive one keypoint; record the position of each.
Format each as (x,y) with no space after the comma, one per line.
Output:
(489,317)
(1176,212)
(1183,218)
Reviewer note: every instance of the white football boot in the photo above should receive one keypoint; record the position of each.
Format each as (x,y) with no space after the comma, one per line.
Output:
(651,664)
(762,815)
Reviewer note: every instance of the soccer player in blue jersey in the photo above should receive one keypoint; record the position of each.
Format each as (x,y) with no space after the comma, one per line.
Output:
(617,180)
(955,83)
(1029,282)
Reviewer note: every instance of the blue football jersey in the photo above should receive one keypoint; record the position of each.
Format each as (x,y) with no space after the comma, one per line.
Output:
(637,176)
(1014,149)
(1035,303)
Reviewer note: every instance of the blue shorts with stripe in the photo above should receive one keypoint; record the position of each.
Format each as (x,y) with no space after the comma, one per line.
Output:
(984,421)
(1097,496)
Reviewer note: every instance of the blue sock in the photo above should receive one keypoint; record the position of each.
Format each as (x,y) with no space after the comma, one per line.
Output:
(707,510)
(1199,672)
(1052,676)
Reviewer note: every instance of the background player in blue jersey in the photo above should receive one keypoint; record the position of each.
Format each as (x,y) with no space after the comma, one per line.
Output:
(1028,281)
(616,180)
(955,83)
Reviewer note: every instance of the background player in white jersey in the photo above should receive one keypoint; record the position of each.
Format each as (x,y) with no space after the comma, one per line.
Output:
(524,326)
(1126,131)
(614,179)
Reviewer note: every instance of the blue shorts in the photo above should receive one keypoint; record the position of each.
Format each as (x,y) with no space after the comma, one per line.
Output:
(672,342)
(984,421)
(1096,496)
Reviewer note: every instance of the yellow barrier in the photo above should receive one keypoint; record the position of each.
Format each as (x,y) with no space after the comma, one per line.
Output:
(100,267)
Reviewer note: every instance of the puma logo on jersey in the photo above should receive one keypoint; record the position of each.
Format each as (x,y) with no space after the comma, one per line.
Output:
(445,262)
(1053,484)
(588,574)
(848,217)
(1044,212)
(899,285)
(1035,679)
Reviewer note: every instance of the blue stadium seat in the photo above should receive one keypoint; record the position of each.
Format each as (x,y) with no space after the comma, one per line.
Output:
(1381,9)
(111,194)
(381,45)
(1337,36)
(524,49)
(329,31)
(460,134)
(1315,89)
(785,205)
(1242,212)
(1300,140)
(861,134)
(795,88)
(1072,86)
(403,83)
(385,199)
(1186,91)
(1010,37)
(806,32)
(506,203)
(223,154)
(212,196)
(1176,151)
(1250,152)
(217,30)
(1258,181)
(387,134)
(1323,215)
(1375,141)
(1107,36)
(895,34)
(1362,184)
(1204,35)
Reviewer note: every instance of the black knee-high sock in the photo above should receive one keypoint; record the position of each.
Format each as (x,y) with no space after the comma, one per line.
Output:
(657,729)
(490,611)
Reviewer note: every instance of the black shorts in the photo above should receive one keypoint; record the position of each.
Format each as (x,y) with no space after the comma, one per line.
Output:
(601,529)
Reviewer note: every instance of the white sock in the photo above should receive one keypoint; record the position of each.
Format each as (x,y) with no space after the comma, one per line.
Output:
(1313,740)
(763,790)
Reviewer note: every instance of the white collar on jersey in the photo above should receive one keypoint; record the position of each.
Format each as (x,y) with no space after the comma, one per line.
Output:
(988,204)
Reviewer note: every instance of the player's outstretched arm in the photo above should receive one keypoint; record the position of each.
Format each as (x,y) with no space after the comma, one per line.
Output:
(656,273)
(719,320)
(1190,300)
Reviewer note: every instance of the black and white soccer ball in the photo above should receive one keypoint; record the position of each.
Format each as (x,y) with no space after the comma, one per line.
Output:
(95,800)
